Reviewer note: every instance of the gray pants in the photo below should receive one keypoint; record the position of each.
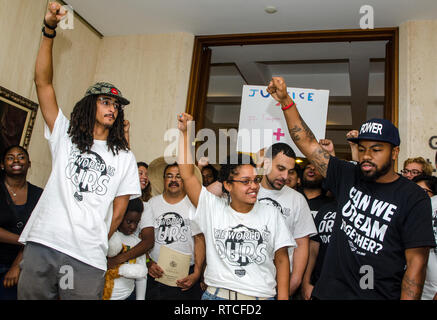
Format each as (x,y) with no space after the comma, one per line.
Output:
(47,274)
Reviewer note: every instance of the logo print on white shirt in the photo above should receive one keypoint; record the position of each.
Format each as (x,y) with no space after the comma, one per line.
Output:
(89,173)
(241,245)
(171,227)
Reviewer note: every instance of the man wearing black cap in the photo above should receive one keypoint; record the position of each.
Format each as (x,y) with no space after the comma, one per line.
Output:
(382,232)
(93,176)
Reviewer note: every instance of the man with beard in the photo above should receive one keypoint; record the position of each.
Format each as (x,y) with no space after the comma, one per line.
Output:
(279,161)
(165,221)
(383,231)
(311,188)
(93,177)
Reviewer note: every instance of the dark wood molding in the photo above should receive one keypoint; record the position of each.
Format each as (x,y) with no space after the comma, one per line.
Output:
(298,37)
(195,91)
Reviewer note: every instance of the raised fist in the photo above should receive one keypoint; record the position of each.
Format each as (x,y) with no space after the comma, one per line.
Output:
(183,120)
(54,14)
(203,162)
(351,134)
(327,145)
(278,89)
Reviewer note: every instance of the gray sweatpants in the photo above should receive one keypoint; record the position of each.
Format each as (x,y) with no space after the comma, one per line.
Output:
(47,274)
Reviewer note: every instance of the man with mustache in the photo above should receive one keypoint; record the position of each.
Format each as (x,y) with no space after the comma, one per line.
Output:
(382,232)
(165,222)
(279,162)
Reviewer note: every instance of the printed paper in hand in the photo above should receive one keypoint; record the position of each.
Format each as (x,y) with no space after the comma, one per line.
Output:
(175,264)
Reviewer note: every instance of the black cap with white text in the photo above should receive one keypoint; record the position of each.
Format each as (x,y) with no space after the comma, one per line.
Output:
(378,130)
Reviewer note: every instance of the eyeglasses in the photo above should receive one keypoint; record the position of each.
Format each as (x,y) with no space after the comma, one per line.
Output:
(108,102)
(414,172)
(246,182)
(170,176)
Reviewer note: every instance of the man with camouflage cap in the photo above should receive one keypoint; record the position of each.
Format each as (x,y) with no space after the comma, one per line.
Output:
(93,177)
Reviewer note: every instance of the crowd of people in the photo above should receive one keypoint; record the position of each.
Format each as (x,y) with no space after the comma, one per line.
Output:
(258,227)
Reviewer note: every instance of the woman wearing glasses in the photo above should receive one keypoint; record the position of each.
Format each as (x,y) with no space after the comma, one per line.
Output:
(414,167)
(429,185)
(246,241)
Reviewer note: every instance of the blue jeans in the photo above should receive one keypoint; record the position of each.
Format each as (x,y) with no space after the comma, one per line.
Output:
(6,293)
(208,296)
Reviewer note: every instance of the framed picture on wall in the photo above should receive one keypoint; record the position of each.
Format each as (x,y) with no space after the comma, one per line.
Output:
(17,117)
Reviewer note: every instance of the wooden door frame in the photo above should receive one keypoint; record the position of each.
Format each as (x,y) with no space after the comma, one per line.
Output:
(199,75)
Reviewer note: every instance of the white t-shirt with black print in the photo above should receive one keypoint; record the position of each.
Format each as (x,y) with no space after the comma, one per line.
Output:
(74,213)
(430,287)
(240,247)
(294,209)
(172,225)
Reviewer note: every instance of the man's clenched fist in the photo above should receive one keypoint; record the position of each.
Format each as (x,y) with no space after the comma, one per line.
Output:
(278,90)
(54,14)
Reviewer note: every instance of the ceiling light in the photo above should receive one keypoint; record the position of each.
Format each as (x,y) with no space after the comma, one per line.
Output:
(270,9)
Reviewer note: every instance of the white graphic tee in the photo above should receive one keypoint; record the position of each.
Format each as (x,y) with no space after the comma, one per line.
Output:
(123,287)
(75,211)
(295,210)
(172,225)
(430,287)
(240,247)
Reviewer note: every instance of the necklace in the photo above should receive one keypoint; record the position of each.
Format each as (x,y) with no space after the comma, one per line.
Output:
(10,189)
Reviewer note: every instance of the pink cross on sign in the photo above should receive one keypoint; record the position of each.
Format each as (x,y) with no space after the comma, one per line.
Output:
(278,134)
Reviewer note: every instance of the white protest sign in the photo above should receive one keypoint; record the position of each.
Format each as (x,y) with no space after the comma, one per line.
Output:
(262,122)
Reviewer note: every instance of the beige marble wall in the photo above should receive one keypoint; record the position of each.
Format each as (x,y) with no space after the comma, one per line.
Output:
(152,71)
(417,88)
(75,59)
(19,45)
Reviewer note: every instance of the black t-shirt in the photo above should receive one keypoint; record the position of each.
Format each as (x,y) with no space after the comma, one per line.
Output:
(324,222)
(374,225)
(316,203)
(13,218)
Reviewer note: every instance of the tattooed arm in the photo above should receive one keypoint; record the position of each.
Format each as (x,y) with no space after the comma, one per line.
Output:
(414,277)
(299,131)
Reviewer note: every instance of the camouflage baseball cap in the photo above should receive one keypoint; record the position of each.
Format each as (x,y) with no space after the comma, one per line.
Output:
(106,89)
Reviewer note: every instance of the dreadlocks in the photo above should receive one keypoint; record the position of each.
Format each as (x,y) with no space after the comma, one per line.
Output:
(82,122)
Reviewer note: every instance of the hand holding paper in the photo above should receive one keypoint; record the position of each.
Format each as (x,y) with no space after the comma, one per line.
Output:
(155,270)
(175,265)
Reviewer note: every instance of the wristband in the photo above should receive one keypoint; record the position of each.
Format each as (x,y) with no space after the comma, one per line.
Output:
(50,36)
(289,106)
(49,26)
(149,260)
